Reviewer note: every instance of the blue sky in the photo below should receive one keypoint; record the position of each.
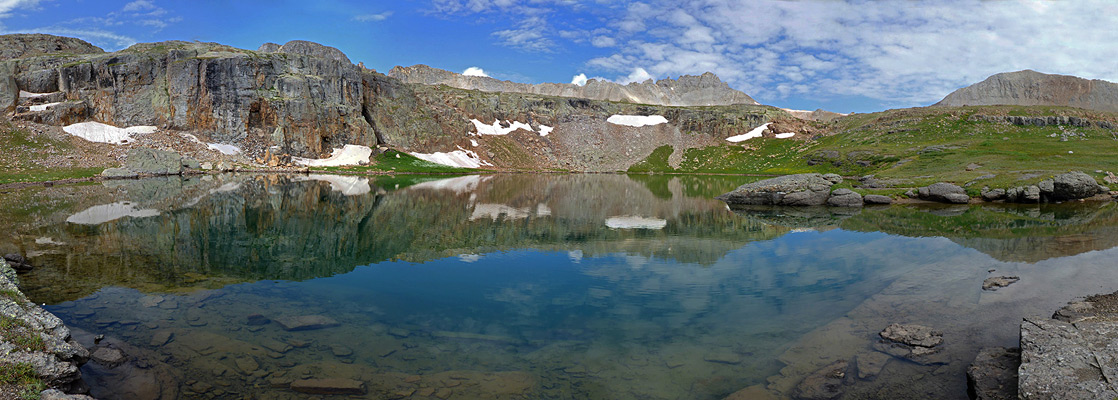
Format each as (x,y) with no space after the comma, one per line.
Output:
(838,55)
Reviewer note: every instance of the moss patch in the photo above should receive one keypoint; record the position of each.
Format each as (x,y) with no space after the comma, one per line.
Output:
(18,333)
(23,378)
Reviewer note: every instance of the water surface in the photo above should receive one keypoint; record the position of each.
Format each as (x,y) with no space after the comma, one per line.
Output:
(525,286)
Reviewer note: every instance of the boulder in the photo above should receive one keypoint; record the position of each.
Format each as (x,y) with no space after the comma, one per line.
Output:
(995,282)
(993,374)
(1072,186)
(145,161)
(916,343)
(994,195)
(944,193)
(833,178)
(845,198)
(877,199)
(791,190)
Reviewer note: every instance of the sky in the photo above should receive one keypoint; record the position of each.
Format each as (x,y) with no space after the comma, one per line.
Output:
(843,56)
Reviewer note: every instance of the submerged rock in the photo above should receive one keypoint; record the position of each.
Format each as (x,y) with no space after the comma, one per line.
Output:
(306,322)
(916,343)
(995,282)
(329,386)
(993,374)
(788,190)
(823,384)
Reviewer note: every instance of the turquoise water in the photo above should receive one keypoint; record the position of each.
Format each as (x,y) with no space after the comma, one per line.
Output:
(517,286)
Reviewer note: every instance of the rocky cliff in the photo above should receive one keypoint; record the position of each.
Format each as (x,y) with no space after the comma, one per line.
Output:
(305,99)
(1031,88)
(688,90)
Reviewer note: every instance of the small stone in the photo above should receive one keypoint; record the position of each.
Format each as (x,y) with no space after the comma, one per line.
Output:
(995,282)
(329,386)
(341,351)
(723,357)
(161,338)
(109,357)
(256,319)
(246,364)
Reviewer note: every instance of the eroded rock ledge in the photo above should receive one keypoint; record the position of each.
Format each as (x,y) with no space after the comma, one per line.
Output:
(36,343)
(1074,354)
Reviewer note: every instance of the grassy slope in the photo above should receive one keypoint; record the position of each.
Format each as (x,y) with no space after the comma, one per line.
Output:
(18,147)
(896,145)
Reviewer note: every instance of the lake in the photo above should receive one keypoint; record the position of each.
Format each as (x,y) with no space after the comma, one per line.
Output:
(591,286)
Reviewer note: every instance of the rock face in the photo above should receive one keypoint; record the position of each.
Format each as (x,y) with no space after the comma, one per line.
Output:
(944,193)
(305,48)
(788,190)
(38,338)
(1031,88)
(688,90)
(22,45)
(1071,356)
(993,374)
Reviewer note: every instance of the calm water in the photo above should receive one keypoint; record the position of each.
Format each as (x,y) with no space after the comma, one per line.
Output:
(518,286)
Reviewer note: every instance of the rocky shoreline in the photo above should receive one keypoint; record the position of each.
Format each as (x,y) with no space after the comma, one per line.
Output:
(38,356)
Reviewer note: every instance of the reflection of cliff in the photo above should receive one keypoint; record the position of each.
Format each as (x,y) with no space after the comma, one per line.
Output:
(1007,233)
(278,228)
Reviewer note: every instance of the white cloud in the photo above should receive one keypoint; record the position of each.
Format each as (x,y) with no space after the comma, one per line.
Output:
(475,71)
(603,41)
(7,6)
(579,79)
(373,17)
(139,5)
(638,75)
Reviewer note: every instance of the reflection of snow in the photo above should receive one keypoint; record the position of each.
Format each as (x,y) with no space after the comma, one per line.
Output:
(496,211)
(635,222)
(108,212)
(460,185)
(101,133)
(468,257)
(461,158)
(637,120)
(575,256)
(348,185)
(350,154)
(755,133)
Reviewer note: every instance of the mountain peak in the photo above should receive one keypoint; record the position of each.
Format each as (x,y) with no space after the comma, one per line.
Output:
(1031,88)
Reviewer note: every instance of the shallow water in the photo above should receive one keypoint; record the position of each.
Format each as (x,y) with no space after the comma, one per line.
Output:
(524,286)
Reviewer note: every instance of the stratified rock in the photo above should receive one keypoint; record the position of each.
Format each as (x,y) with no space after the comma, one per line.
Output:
(688,90)
(329,386)
(823,384)
(944,193)
(1031,88)
(789,190)
(877,199)
(993,374)
(844,198)
(305,48)
(305,322)
(995,282)
(59,361)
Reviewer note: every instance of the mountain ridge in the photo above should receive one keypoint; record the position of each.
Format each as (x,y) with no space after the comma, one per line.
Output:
(1032,88)
(689,90)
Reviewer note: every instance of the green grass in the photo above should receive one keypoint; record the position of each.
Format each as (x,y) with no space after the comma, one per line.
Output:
(18,333)
(12,295)
(655,162)
(43,174)
(22,375)
(395,161)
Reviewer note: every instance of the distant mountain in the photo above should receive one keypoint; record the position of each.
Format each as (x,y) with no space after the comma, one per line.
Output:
(688,90)
(817,115)
(21,45)
(1031,88)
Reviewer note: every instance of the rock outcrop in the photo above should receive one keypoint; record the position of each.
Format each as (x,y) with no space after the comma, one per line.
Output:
(22,45)
(944,193)
(1073,185)
(688,90)
(305,48)
(145,162)
(1031,88)
(37,339)
(1071,356)
(788,190)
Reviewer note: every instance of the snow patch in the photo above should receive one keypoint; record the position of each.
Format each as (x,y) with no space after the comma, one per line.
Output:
(635,222)
(227,149)
(44,107)
(97,215)
(637,120)
(347,185)
(473,143)
(29,95)
(48,240)
(101,133)
(350,154)
(459,158)
(545,130)
(460,185)
(755,133)
(498,130)
(785,135)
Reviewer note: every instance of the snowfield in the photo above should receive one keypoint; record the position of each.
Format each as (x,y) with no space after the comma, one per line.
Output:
(347,185)
(101,133)
(545,130)
(755,133)
(635,222)
(226,149)
(637,121)
(97,215)
(497,130)
(350,154)
(785,135)
(459,158)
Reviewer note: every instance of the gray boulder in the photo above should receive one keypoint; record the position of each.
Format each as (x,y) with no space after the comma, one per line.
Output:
(145,161)
(845,198)
(1072,186)
(834,178)
(877,199)
(789,190)
(994,195)
(944,193)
